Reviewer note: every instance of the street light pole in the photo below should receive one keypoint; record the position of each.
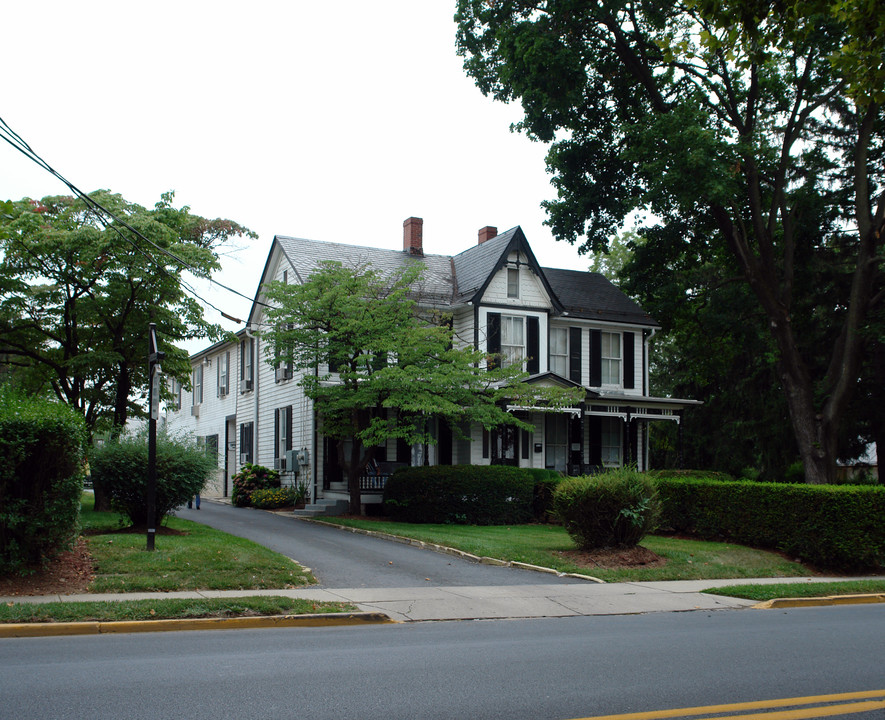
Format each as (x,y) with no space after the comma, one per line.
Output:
(154,359)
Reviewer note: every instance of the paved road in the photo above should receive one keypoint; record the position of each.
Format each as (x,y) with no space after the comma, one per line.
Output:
(347,560)
(519,670)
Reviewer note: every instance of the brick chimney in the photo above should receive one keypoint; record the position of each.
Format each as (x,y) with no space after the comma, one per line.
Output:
(487,233)
(413,236)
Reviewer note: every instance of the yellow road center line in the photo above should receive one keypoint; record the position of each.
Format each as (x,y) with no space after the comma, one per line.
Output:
(809,712)
(755,705)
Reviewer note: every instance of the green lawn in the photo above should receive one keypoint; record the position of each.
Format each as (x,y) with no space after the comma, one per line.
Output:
(800,590)
(200,558)
(163,609)
(544,544)
(196,558)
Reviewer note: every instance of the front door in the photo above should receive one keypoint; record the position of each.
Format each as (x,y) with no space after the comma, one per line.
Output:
(505,446)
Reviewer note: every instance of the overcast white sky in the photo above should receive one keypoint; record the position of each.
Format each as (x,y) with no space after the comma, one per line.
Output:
(330,121)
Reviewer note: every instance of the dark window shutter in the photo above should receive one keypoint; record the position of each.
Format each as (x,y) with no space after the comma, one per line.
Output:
(595,358)
(218,376)
(526,440)
(629,371)
(288,427)
(276,432)
(533,337)
(574,351)
(485,443)
(403,452)
(594,424)
(493,336)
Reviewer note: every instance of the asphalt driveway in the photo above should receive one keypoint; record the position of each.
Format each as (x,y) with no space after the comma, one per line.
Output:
(342,559)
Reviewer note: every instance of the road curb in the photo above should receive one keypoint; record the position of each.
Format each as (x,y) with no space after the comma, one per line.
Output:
(20,630)
(454,551)
(824,601)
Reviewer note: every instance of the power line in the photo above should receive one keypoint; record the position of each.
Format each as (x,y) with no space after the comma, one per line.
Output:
(102,213)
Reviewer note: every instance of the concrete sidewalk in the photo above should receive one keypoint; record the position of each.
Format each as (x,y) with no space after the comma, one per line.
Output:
(488,602)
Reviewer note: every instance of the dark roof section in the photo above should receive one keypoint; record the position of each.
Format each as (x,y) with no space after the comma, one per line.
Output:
(592,296)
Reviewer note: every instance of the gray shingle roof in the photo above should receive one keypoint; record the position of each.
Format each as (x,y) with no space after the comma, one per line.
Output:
(474,265)
(306,255)
(453,280)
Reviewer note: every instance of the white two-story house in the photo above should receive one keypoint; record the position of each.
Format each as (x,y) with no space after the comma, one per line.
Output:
(566,327)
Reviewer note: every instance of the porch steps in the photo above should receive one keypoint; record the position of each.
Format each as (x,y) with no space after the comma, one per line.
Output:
(322,507)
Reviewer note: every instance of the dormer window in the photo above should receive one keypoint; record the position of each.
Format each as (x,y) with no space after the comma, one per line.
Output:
(513,282)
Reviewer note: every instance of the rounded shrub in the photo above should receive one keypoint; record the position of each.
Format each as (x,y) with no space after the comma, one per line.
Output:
(251,478)
(616,508)
(183,467)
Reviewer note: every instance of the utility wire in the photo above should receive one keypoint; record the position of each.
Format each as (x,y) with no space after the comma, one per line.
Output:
(102,213)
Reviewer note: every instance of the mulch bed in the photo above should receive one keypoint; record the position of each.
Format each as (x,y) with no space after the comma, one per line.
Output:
(612,558)
(70,572)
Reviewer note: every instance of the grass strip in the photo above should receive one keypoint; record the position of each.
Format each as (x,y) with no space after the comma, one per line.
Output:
(550,545)
(195,557)
(762,593)
(163,609)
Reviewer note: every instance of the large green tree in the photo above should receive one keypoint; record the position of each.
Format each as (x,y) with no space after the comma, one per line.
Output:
(723,118)
(396,363)
(78,290)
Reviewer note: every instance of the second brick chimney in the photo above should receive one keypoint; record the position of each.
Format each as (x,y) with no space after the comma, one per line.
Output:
(487,233)
(413,236)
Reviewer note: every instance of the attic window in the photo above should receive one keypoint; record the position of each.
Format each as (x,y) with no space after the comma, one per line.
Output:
(513,282)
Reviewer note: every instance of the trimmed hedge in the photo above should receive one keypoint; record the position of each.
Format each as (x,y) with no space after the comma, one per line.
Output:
(465,494)
(121,466)
(831,526)
(41,478)
(546,482)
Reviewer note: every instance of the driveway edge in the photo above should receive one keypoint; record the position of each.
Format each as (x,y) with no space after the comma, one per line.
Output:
(454,551)
(19,630)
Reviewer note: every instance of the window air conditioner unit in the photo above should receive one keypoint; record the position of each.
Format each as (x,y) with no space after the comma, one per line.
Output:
(277,464)
(282,374)
(222,392)
(243,458)
(195,410)
(245,385)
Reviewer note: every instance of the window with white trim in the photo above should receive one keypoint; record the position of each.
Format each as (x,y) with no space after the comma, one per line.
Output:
(611,442)
(198,384)
(611,358)
(512,340)
(513,282)
(223,374)
(559,351)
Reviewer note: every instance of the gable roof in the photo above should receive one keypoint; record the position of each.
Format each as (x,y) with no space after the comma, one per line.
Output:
(455,280)
(475,266)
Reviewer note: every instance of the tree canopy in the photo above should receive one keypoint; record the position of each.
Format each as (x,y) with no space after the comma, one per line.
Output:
(394,363)
(78,290)
(752,129)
